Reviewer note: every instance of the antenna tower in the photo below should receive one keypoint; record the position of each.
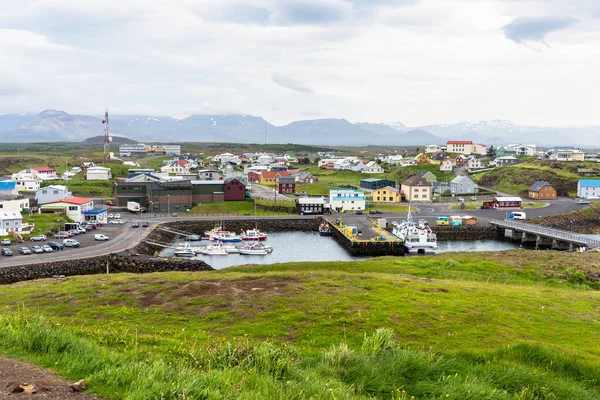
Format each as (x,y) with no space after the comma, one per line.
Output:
(106,136)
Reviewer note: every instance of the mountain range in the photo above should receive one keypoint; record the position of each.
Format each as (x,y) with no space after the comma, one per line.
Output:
(59,126)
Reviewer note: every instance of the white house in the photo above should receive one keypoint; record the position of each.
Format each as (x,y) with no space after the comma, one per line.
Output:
(51,193)
(10,221)
(179,167)
(98,174)
(46,174)
(373,168)
(567,155)
(73,207)
(264,159)
(346,199)
(588,188)
(27,180)
(227,158)
(19,204)
(522,149)
(446,166)
(474,163)
(8,188)
(433,148)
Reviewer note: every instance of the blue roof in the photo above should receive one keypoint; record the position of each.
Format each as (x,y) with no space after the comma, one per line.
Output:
(8,185)
(589,182)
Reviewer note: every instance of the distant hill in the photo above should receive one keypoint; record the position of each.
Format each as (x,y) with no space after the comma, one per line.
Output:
(59,126)
(115,139)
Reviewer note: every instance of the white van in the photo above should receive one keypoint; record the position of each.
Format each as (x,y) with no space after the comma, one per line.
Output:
(70,243)
(100,236)
(518,215)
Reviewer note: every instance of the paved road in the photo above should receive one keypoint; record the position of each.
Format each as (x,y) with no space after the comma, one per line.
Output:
(267,193)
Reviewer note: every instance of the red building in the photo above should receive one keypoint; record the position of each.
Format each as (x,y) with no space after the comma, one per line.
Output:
(503,202)
(253,176)
(286,184)
(235,189)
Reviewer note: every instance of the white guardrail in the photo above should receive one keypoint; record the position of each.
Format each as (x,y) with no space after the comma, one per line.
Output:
(550,232)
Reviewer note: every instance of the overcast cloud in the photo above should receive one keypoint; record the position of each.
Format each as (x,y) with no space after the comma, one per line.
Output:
(415,61)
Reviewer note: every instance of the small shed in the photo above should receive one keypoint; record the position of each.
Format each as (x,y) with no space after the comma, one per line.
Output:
(507,202)
(469,220)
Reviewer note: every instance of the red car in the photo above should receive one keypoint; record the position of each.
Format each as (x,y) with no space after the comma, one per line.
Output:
(109,203)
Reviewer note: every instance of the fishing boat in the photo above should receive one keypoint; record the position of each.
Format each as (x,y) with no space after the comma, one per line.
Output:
(418,238)
(255,248)
(253,235)
(214,249)
(224,236)
(186,252)
(324,229)
(192,238)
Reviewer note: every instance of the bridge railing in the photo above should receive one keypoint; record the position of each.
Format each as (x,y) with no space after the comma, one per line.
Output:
(542,230)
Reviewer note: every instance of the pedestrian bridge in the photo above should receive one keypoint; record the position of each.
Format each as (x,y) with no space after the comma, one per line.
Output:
(545,237)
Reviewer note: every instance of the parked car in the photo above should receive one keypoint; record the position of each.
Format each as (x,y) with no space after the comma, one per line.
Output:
(109,203)
(583,202)
(371,211)
(87,228)
(38,238)
(61,235)
(81,229)
(37,249)
(379,212)
(73,232)
(473,198)
(117,216)
(135,224)
(100,236)
(71,243)
(55,245)
(110,216)
(24,250)
(461,199)
(358,212)
(47,249)
(5,242)
(115,221)
(6,251)
(145,224)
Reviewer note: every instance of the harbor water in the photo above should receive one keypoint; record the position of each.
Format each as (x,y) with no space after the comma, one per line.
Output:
(309,246)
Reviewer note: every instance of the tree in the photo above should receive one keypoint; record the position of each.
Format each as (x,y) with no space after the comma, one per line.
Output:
(491,151)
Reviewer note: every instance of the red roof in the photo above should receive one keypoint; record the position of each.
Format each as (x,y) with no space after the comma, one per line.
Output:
(71,200)
(274,174)
(182,162)
(459,142)
(44,169)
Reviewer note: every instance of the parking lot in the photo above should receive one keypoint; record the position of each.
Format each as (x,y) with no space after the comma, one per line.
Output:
(123,232)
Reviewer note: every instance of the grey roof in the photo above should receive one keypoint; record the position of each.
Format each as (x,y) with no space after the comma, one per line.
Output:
(537,186)
(371,180)
(286,179)
(460,178)
(242,179)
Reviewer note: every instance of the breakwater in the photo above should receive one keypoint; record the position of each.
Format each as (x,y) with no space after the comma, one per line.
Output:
(367,248)
(98,265)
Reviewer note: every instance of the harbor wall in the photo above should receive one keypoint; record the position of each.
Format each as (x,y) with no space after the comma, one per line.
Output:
(465,232)
(117,263)
(367,248)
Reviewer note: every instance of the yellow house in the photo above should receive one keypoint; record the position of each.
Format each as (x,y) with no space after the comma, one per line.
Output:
(416,188)
(422,158)
(386,194)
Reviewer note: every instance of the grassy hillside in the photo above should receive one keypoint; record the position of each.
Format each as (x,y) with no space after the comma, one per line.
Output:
(402,173)
(510,325)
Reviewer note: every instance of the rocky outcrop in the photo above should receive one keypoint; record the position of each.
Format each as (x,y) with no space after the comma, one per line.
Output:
(586,220)
(98,265)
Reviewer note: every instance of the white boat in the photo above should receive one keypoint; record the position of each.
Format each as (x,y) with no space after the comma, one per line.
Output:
(187,252)
(417,238)
(255,249)
(214,249)
(223,236)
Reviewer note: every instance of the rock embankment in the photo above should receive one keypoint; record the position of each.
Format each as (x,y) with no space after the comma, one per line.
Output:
(465,232)
(97,265)
(585,220)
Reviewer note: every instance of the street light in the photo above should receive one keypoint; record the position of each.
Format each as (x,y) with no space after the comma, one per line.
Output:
(168,204)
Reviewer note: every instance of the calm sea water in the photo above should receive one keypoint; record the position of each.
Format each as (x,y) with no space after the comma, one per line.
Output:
(308,246)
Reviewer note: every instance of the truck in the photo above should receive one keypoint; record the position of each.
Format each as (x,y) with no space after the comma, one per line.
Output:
(134,206)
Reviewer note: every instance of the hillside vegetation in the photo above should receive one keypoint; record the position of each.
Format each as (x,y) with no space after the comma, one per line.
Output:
(509,325)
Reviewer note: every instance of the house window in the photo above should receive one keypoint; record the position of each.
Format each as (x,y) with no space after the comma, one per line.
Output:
(72,208)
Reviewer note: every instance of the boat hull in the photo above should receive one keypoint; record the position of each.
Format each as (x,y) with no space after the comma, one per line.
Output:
(324,233)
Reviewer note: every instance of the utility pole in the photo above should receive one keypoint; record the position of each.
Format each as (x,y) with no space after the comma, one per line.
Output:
(107,138)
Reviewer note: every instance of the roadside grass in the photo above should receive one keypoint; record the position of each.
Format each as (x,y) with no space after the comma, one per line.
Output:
(45,223)
(316,189)
(477,205)
(245,207)
(153,162)
(81,187)
(493,325)
(340,177)
(272,203)
(393,208)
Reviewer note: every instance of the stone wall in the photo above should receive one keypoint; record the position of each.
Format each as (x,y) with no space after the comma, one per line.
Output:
(97,265)
(465,232)
(367,248)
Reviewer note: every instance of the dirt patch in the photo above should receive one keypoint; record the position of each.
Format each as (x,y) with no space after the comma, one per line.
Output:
(49,386)
(434,290)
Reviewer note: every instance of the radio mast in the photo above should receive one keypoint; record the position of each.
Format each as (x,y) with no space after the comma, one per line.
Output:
(107,138)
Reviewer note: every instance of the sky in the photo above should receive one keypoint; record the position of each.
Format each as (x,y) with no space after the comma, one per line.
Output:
(419,62)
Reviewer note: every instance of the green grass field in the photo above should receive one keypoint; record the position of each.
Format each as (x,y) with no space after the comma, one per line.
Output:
(245,207)
(394,208)
(508,325)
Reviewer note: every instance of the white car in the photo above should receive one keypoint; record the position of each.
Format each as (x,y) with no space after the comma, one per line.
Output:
(115,221)
(100,236)
(111,216)
(47,249)
(37,249)
(38,238)
(71,243)
(117,216)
